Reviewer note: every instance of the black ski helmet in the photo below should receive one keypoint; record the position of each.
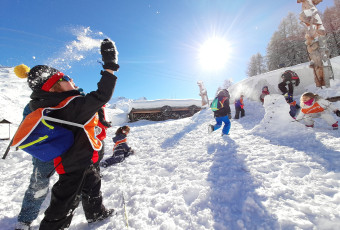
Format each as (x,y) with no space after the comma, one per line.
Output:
(223,93)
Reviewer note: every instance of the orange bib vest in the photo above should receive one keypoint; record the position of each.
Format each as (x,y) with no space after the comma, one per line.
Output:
(316,108)
(37,116)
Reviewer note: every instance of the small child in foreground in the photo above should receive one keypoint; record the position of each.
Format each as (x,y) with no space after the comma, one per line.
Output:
(121,150)
(314,106)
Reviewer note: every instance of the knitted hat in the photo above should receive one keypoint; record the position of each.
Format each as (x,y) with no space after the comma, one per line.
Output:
(40,77)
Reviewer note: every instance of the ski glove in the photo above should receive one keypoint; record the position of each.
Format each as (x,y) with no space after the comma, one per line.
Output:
(131,151)
(337,113)
(109,55)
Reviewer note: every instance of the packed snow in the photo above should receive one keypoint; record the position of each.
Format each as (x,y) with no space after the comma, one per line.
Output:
(271,172)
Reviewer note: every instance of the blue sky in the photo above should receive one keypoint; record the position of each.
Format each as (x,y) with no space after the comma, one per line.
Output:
(158,41)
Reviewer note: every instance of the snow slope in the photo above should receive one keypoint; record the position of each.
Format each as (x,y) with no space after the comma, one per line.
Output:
(269,173)
(252,87)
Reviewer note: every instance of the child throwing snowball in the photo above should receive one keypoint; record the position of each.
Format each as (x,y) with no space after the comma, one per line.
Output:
(314,106)
(78,180)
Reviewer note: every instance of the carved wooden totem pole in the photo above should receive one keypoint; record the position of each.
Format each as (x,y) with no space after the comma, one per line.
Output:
(316,43)
(203,93)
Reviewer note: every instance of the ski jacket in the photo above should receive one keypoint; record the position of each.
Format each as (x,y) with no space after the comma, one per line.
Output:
(26,111)
(319,105)
(263,94)
(120,147)
(80,110)
(290,77)
(225,110)
(239,103)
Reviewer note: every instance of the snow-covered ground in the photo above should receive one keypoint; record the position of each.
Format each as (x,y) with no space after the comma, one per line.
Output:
(269,173)
(251,87)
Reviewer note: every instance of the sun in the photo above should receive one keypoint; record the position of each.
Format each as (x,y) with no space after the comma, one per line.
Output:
(214,53)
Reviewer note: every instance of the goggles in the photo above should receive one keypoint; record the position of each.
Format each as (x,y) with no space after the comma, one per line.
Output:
(65,78)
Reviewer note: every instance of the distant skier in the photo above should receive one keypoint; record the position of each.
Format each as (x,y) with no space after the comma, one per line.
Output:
(221,108)
(265,92)
(239,108)
(121,150)
(290,79)
(314,106)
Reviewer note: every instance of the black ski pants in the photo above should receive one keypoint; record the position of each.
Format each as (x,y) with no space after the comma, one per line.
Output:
(283,88)
(66,194)
(239,110)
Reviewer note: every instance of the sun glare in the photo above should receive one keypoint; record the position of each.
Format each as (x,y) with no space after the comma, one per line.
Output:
(214,54)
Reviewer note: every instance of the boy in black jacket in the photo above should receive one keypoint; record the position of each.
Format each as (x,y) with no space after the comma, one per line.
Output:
(289,79)
(78,180)
(223,113)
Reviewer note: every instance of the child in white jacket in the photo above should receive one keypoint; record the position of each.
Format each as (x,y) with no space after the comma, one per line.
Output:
(314,106)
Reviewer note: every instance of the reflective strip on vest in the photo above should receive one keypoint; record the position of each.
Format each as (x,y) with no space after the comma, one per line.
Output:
(33,142)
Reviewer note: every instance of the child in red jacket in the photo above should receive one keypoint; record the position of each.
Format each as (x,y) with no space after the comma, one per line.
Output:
(264,93)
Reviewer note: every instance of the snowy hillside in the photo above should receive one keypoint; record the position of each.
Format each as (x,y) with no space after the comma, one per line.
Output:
(252,87)
(269,173)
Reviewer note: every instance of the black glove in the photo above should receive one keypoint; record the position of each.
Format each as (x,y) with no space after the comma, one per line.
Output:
(109,55)
(337,113)
(131,151)
(229,115)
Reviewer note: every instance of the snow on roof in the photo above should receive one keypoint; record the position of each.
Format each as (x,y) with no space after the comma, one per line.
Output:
(162,102)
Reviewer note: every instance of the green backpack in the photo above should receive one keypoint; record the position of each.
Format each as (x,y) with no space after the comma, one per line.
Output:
(216,104)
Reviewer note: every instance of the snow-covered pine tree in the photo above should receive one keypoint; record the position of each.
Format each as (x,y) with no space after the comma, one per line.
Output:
(256,65)
(331,22)
(286,47)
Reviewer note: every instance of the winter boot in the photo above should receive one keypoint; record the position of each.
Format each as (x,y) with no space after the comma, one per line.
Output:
(22,226)
(103,164)
(210,129)
(288,97)
(335,126)
(105,214)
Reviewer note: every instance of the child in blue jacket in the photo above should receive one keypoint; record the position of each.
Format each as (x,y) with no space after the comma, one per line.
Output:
(121,150)
(239,108)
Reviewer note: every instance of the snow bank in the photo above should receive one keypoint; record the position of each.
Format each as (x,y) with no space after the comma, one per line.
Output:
(252,87)
(277,114)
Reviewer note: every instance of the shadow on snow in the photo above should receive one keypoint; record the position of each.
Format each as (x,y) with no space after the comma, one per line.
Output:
(234,201)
